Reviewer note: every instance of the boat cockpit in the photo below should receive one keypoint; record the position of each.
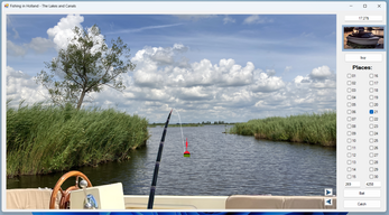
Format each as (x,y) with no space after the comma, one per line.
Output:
(84,196)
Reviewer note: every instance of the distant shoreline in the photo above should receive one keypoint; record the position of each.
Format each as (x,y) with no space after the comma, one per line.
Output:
(186,124)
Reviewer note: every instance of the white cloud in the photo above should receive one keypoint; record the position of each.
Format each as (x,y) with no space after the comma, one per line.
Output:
(321,73)
(320,77)
(16,50)
(59,37)
(144,78)
(223,90)
(313,94)
(156,65)
(158,56)
(62,33)
(225,87)
(40,45)
(23,87)
(288,68)
(98,40)
(228,19)
(256,19)
(237,97)
(300,79)
(270,72)
(265,83)
(236,75)
(149,59)
(194,93)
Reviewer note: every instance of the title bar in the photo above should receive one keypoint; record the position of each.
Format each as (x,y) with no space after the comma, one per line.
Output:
(198,7)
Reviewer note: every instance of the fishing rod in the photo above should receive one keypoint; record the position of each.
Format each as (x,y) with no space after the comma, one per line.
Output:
(157,162)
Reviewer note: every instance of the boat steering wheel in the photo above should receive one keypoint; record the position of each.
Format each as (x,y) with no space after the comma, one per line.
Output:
(64,202)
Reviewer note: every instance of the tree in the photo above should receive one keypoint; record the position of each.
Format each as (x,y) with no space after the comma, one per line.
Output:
(85,66)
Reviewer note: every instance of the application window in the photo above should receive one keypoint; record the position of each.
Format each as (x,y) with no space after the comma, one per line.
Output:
(270,106)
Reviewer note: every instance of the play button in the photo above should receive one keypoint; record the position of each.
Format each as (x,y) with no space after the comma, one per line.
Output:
(328,202)
(328,192)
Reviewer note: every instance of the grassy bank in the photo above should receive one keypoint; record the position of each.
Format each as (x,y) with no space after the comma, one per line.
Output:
(308,128)
(42,139)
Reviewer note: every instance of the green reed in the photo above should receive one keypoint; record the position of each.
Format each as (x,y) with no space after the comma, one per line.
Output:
(43,139)
(308,128)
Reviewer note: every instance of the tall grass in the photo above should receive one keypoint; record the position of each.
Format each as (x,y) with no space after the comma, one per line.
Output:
(43,139)
(309,128)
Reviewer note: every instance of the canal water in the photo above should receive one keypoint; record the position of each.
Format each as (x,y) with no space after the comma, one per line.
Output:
(220,164)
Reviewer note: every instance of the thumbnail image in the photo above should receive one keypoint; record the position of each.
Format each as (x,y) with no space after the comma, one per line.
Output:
(252,100)
(363,37)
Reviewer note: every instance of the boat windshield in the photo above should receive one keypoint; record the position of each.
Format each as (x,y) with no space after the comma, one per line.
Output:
(367,35)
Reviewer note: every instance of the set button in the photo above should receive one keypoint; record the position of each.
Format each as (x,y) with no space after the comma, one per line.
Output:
(362,193)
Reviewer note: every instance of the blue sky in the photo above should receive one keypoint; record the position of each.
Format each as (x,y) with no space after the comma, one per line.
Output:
(258,61)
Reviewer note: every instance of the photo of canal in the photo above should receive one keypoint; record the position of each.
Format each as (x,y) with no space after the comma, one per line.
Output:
(254,96)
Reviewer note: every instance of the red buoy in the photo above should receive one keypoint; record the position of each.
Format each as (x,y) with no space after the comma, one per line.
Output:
(186,153)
